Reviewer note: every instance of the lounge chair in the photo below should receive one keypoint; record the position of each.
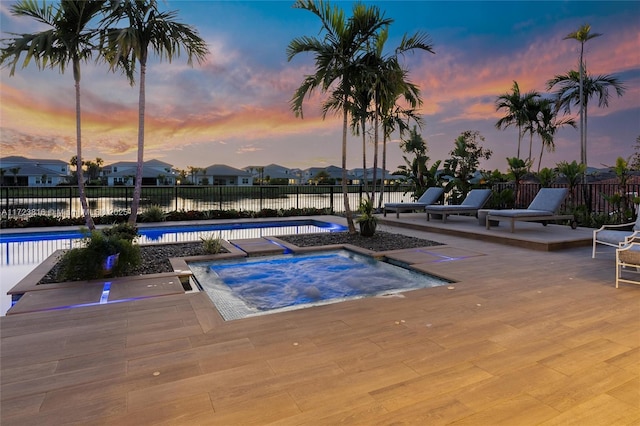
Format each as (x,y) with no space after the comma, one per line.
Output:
(430,196)
(474,201)
(542,209)
(613,235)
(628,262)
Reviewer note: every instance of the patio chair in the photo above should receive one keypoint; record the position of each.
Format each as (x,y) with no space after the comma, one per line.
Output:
(613,235)
(628,262)
(474,201)
(542,209)
(430,196)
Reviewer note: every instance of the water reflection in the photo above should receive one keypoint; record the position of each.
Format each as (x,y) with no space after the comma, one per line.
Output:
(65,207)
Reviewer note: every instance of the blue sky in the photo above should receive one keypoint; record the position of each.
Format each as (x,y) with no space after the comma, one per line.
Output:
(234,108)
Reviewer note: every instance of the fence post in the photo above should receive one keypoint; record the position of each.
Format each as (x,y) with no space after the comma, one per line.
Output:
(331,203)
(70,203)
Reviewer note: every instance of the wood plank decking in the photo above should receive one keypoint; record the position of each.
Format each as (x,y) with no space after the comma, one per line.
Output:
(524,337)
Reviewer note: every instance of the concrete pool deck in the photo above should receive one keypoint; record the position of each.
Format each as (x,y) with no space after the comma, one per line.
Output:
(524,336)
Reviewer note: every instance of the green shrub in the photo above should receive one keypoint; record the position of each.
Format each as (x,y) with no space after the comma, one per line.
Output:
(91,262)
(212,245)
(267,213)
(124,230)
(153,214)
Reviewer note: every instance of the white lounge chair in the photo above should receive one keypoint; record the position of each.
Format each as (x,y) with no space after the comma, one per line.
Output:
(542,209)
(430,196)
(613,235)
(474,201)
(627,263)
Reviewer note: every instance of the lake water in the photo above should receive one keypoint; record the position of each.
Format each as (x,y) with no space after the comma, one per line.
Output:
(65,207)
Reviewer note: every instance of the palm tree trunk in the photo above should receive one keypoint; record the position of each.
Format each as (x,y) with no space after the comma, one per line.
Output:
(364,154)
(384,167)
(375,156)
(540,160)
(585,187)
(584,138)
(519,140)
(583,155)
(345,189)
(137,191)
(530,147)
(83,196)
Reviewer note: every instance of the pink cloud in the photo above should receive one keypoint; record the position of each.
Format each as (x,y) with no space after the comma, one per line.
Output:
(228,98)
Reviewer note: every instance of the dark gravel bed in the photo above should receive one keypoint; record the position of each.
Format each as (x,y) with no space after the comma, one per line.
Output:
(155,258)
(380,241)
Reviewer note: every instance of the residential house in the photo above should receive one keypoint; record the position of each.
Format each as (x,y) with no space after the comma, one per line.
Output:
(22,171)
(367,176)
(154,172)
(274,172)
(219,174)
(333,172)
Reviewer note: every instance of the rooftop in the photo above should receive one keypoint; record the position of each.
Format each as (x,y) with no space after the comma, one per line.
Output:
(526,335)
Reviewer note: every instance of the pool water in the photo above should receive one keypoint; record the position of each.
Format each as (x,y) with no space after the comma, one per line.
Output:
(183,233)
(21,252)
(254,286)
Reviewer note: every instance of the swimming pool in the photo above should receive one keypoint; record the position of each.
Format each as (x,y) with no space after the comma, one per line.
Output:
(171,233)
(254,286)
(22,250)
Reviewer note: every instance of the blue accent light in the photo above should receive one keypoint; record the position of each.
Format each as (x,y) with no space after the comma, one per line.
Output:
(442,257)
(286,250)
(104,298)
(83,305)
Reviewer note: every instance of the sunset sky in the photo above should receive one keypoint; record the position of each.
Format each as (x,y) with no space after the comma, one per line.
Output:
(234,108)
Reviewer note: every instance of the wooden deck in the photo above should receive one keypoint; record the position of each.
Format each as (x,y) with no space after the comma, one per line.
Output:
(523,337)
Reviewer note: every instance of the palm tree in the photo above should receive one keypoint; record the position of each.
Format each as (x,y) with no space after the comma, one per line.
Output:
(396,119)
(573,173)
(14,171)
(532,110)
(203,170)
(546,177)
(582,35)
(389,85)
(571,90)
(518,168)
(68,40)
(515,105)
(416,170)
(547,125)
(337,56)
(148,29)
(359,115)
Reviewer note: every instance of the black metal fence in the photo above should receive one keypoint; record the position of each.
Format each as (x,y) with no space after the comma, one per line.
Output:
(593,196)
(63,201)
